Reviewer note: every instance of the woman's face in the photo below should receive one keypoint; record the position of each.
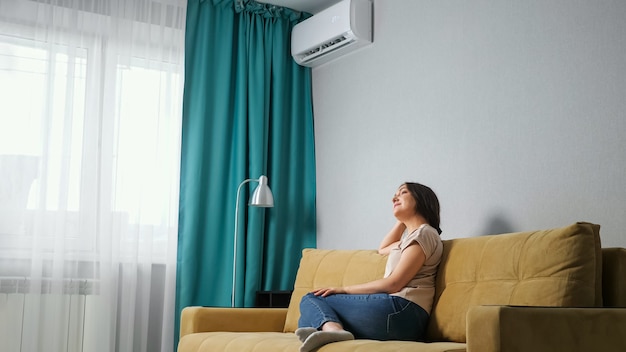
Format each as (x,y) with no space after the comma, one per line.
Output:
(403,203)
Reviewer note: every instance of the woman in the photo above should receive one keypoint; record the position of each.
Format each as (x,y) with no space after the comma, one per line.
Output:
(396,307)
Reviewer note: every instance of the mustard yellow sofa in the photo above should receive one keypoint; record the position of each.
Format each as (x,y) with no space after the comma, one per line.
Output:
(549,290)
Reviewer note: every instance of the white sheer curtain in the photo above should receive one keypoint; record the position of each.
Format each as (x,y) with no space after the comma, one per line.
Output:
(90,119)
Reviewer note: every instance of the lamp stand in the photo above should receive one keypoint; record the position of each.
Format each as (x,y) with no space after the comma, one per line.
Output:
(262,197)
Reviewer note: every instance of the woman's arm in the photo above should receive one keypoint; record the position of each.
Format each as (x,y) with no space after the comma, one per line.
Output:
(392,238)
(411,261)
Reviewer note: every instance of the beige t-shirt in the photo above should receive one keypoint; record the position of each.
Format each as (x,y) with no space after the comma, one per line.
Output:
(421,289)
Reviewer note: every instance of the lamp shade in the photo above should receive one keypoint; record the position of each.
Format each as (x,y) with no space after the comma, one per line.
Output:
(262,195)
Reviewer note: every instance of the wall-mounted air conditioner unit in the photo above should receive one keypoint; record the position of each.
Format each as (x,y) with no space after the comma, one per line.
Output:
(338,30)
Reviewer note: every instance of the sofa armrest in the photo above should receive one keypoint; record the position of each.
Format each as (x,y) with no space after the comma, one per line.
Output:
(205,319)
(545,329)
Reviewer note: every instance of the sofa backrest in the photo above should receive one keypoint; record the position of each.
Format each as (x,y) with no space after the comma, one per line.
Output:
(559,267)
(324,268)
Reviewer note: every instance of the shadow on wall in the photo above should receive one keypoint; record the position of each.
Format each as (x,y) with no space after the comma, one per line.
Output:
(497,224)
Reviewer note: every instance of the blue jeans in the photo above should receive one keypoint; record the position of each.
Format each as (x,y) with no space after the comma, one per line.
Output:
(375,316)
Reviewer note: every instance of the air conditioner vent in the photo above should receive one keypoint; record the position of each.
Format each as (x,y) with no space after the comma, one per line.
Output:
(326,47)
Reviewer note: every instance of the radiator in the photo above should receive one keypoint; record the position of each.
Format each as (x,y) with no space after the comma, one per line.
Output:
(44,321)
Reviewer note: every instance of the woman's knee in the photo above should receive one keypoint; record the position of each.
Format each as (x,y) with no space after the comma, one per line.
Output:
(308,302)
(307,298)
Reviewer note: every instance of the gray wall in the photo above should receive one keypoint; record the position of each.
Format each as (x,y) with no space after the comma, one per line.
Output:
(512,111)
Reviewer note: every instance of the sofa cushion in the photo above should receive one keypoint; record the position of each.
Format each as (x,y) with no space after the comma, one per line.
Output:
(322,268)
(288,342)
(557,267)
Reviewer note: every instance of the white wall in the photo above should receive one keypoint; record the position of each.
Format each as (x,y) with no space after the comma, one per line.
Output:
(512,111)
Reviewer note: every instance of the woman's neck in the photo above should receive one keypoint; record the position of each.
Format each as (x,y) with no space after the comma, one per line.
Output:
(414,223)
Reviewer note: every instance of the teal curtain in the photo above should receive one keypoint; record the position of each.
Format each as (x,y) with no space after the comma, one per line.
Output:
(247,111)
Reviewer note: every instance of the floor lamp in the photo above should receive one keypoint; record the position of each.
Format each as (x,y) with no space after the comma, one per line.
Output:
(262,197)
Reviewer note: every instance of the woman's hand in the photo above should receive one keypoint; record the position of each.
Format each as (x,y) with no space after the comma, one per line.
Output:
(327,291)
(392,238)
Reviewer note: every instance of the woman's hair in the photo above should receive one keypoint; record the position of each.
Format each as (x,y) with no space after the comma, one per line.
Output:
(426,203)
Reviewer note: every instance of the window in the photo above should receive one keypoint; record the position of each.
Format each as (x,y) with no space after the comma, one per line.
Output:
(89,136)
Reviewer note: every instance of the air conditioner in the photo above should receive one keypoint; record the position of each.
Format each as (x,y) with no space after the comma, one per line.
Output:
(336,31)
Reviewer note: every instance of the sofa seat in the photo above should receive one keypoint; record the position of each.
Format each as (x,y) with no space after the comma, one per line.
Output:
(261,330)
(279,342)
